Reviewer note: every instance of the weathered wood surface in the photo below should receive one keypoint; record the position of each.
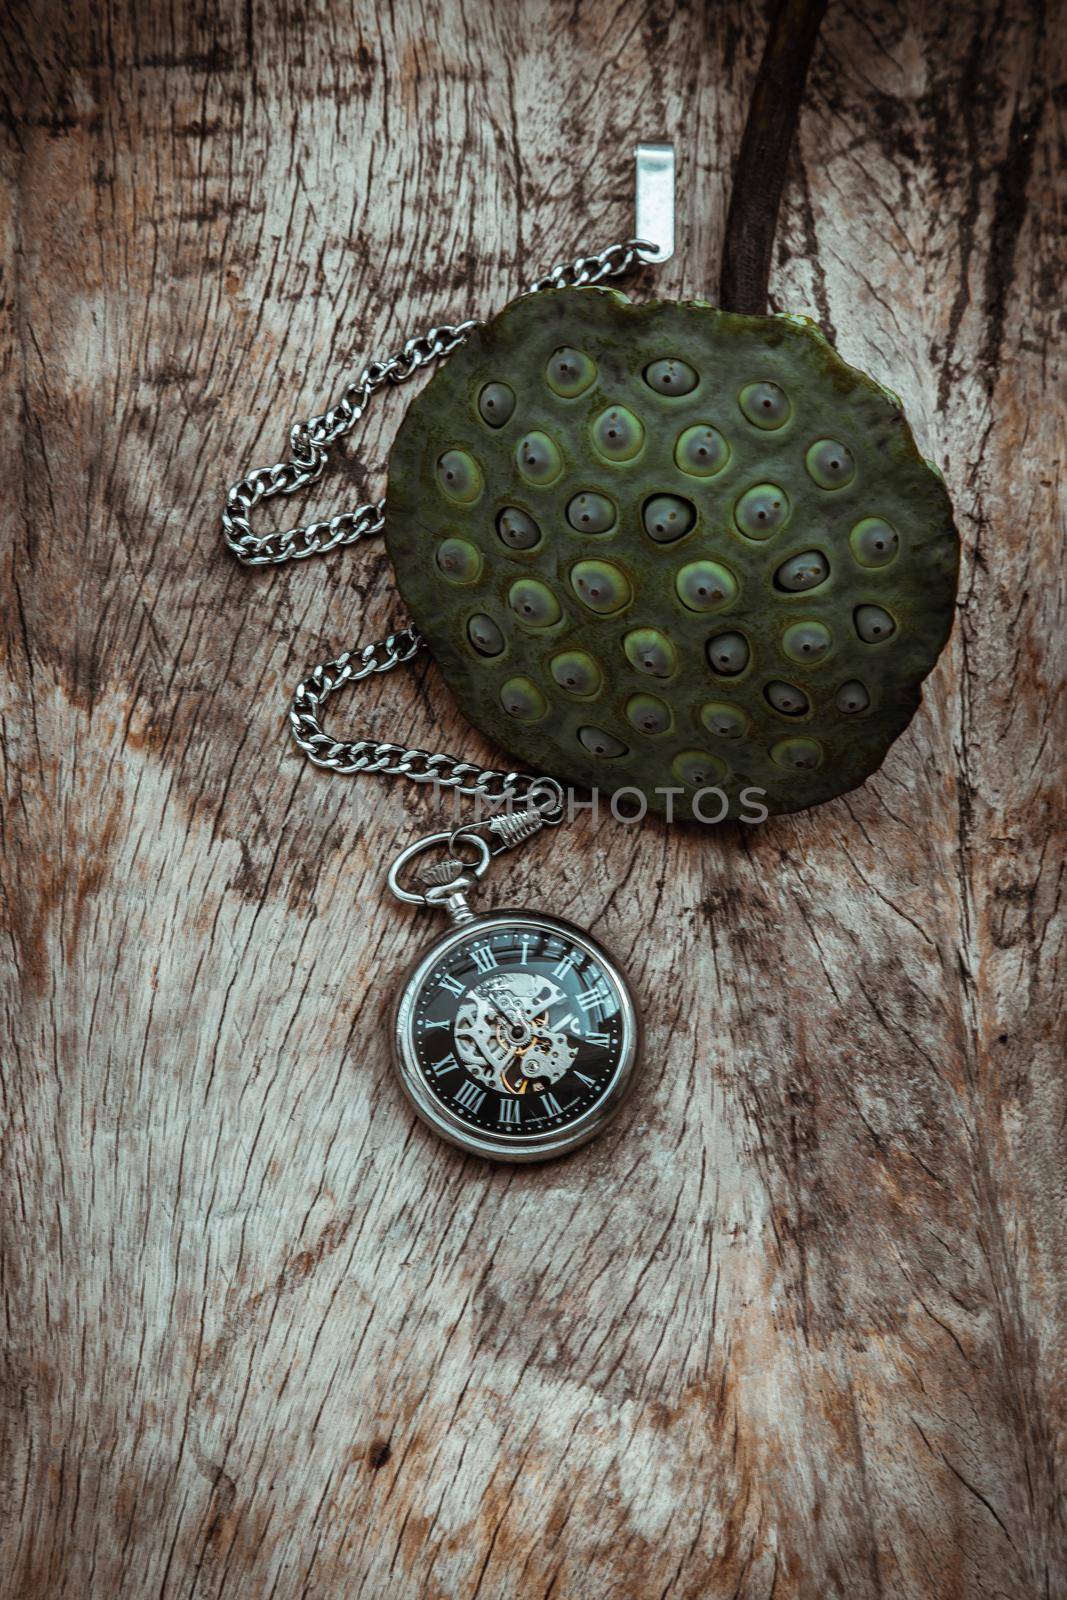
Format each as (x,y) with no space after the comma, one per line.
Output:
(795,1326)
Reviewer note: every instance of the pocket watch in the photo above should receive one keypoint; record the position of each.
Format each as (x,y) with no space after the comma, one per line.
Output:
(515,1033)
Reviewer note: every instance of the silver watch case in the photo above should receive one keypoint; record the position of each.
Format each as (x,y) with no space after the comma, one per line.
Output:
(536,1147)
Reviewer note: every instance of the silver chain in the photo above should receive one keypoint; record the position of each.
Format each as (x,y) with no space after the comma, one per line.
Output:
(309,442)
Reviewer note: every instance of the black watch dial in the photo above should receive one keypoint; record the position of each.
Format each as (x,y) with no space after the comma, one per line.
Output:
(519,1030)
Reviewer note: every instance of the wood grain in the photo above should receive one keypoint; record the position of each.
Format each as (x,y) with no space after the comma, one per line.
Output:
(795,1326)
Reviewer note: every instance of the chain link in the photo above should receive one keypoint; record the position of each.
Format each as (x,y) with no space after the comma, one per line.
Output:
(309,443)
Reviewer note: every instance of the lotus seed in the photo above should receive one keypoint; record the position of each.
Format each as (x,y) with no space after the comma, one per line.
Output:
(705,586)
(523,700)
(874,542)
(496,403)
(651,652)
(806,641)
(570,372)
(799,755)
(533,603)
(459,476)
(701,451)
(697,769)
(517,528)
(830,464)
(728,654)
(538,458)
(765,405)
(668,517)
(484,635)
(577,672)
(873,624)
(591,513)
(802,572)
(852,697)
(725,721)
(600,586)
(788,699)
(601,743)
(459,560)
(648,714)
(671,376)
(761,510)
(618,434)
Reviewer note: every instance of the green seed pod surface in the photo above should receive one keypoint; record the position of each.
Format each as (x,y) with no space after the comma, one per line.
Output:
(537,552)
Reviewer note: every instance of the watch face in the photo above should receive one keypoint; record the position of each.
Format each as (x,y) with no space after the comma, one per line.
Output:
(516,1035)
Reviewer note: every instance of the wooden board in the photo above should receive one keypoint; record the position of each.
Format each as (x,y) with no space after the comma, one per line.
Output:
(795,1325)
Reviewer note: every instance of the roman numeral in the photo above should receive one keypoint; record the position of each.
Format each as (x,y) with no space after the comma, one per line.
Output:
(446,1064)
(551,1105)
(510,1111)
(595,999)
(451,984)
(442,1022)
(526,942)
(590,1083)
(470,1096)
(603,1039)
(563,966)
(484,959)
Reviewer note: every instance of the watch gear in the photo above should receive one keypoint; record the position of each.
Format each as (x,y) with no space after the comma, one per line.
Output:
(501,1032)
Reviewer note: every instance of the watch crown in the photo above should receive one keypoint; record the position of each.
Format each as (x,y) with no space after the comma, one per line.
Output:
(442,873)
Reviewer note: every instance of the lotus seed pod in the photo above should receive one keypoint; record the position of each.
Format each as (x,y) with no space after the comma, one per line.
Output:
(873,624)
(852,698)
(590,512)
(459,476)
(802,572)
(570,372)
(724,721)
(485,635)
(600,586)
(577,672)
(617,434)
(533,603)
(701,451)
(601,743)
(671,376)
(651,652)
(765,405)
(787,698)
(523,700)
(496,402)
(873,542)
(705,586)
(728,654)
(648,713)
(538,458)
(698,769)
(776,541)
(799,755)
(830,464)
(668,517)
(459,560)
(761,510)
(806,641)
(517,528)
